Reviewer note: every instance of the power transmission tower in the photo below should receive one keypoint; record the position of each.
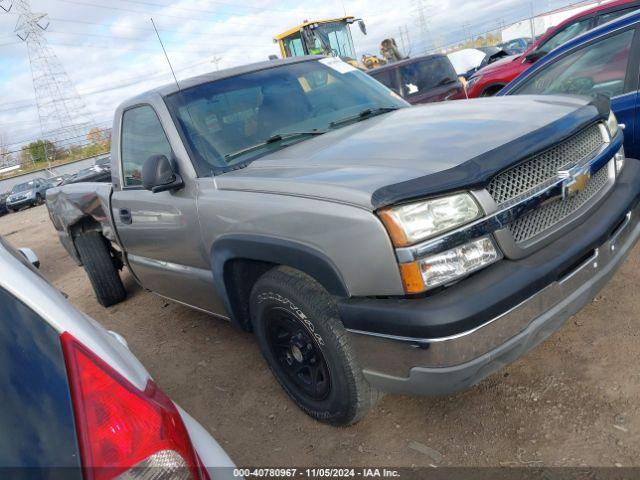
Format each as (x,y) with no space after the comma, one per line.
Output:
(425,34)
(216,60)
(405,43)
(62,113)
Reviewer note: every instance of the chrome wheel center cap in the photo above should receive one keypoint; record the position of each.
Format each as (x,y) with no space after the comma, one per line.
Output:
(297,353)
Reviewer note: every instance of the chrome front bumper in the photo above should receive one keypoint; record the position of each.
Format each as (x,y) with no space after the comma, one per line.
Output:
(445,365)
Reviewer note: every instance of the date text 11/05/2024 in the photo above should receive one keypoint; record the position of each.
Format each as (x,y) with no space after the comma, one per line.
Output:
(315,473)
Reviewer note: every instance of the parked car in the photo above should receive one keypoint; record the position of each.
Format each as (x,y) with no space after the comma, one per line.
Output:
(604,61)
(3,203)
(103,162)
(490,80)
(28,194)
(59,180)
(516,46)
(75,397)
(424,79)
(469,60)
(90,174)
(369,246)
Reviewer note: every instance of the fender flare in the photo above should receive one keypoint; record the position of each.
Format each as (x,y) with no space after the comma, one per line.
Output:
(278,251)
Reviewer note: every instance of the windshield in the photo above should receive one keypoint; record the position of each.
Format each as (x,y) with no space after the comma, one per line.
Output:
(567,33)
(23,187)
(219,119)
(490,50)
(338,37)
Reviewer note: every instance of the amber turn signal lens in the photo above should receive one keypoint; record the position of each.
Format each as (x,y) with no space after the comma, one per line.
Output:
(398,237)
(412,278)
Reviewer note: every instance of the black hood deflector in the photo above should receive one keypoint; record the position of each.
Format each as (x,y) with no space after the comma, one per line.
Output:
(484,167)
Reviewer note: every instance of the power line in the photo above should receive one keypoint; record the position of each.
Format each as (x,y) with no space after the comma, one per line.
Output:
(199,10)
(31,139)
(165,15)
(130,81)
(60,143)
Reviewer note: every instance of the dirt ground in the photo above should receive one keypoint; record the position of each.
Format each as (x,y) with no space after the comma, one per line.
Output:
(573,401)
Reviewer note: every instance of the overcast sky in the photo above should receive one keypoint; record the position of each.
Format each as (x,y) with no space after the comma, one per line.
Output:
(110,52)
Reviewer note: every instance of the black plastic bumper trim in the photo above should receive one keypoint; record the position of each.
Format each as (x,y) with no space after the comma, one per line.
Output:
(495,290)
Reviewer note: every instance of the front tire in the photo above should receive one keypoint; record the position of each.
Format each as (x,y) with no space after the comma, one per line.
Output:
(492,91)
(306,346)
(101,269)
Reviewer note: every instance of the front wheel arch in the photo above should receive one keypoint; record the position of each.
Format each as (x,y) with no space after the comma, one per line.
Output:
(492,90)
(238,261)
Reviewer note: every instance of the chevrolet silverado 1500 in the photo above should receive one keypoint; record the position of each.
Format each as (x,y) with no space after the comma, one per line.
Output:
(370,246)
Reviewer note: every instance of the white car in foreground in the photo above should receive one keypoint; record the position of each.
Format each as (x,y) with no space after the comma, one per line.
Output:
(75,398)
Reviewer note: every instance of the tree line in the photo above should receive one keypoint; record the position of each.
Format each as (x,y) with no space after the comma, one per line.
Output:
(44,151)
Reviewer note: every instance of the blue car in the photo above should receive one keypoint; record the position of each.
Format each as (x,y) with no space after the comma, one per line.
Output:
(28,194)
(604,61)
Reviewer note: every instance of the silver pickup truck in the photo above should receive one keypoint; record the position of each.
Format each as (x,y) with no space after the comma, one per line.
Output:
(370,246)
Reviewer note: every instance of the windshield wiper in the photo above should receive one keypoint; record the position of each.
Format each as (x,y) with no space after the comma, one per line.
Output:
(278,137)
(364,114)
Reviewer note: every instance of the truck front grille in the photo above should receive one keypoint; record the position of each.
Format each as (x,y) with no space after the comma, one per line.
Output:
(544,167)
(550,214)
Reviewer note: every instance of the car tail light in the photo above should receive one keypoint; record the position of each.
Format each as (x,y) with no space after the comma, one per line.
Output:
(123,431)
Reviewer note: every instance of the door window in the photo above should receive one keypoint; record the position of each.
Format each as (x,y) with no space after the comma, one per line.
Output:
(608,17)
(293,46)
(567,33)
(142,137)
(596,69)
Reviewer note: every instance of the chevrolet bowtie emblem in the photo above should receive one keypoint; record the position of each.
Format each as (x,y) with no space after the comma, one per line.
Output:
(574,180)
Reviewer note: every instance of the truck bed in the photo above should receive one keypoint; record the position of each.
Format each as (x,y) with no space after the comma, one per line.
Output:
(73,205)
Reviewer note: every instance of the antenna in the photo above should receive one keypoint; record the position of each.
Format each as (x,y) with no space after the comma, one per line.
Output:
(165,54)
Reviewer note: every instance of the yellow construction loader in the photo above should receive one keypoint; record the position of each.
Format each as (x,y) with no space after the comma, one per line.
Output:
(330,37)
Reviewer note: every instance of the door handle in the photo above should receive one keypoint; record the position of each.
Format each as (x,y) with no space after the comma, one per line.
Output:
(125,216)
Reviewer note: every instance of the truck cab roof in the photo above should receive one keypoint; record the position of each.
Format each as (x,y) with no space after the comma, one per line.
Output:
(171,88)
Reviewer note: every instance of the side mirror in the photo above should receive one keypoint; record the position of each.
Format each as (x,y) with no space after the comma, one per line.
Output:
(534,56)
(159,175)
(30,256)
(363,27)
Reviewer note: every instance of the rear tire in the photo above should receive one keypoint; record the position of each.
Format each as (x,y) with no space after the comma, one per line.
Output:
(101,269)
(306,346)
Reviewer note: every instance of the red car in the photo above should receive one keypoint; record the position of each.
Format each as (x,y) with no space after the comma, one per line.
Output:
(491,79)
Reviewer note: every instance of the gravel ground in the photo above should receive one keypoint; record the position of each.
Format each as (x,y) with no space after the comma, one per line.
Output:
(573,401)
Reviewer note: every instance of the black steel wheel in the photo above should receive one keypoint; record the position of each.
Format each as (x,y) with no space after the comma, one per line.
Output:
(298,328)
(298,354)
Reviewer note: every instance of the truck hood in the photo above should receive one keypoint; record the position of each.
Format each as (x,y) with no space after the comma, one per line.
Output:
(418,151)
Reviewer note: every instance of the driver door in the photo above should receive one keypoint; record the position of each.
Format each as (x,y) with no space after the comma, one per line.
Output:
(160,232)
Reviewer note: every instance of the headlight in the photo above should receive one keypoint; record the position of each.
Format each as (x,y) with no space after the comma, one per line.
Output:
(450,266)
(412,223)
(620,157)
(472,81)
(612,125)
